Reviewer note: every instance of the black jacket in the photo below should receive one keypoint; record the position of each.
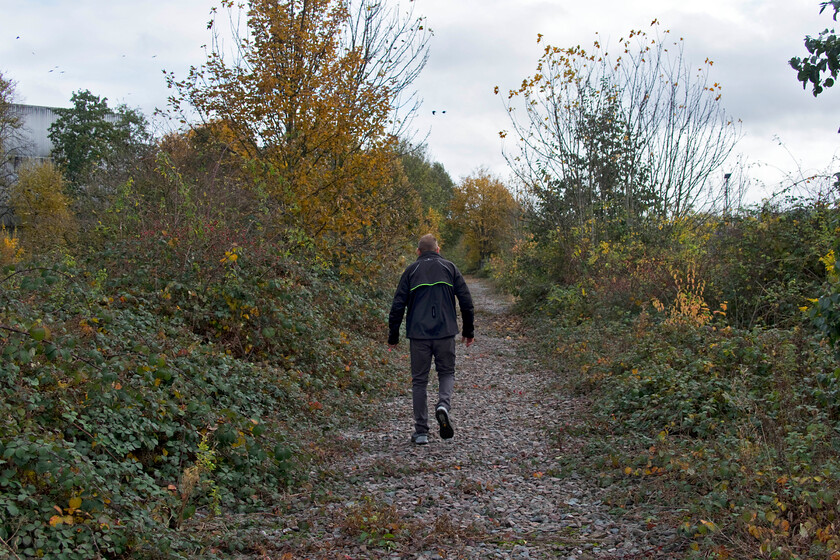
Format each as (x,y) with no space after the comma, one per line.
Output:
(428,288)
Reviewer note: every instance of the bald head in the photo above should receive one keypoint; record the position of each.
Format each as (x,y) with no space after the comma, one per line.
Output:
(427,243)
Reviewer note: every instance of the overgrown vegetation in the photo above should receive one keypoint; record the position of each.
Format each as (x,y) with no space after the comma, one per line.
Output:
(707,357)
(177,362)
(728,434)
(186,324)
(702,339)
(186,328)
(134,395)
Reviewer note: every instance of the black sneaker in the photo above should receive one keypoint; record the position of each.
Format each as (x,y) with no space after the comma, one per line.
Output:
(442,415)
(420,439)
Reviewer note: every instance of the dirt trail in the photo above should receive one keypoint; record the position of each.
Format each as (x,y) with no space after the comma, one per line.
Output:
(495,491)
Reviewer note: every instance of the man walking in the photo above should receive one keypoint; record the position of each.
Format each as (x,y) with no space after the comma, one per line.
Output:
(428,289)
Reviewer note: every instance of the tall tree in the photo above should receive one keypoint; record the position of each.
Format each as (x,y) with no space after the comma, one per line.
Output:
(483,210)
(430,179)
(644,127)
(89,137)
(309,101)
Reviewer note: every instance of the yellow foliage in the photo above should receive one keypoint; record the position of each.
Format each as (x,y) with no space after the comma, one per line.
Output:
(484,210)
(309,117)
(831,272)
(432,222)
(231,256)
(42,208)
(689,307)
(10,249)
(61,519)
(75,503)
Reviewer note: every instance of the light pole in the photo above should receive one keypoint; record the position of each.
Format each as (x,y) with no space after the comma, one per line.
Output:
(726,177)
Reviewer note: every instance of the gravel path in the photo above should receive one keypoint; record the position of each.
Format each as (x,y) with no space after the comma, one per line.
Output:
(494,491)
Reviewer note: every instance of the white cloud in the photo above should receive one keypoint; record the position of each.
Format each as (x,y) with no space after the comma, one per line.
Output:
(118,50)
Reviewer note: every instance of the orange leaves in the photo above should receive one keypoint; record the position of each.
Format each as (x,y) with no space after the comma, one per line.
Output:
(61,519)
(483,209)
(309,107)
(10,250)
(756,532)
(649,470)
(65,516)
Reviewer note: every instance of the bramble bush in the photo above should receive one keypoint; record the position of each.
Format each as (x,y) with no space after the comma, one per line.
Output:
(715,403)
(825,311)
(108,398)
(172,368)
(731,432)
(763,265)
(766,264)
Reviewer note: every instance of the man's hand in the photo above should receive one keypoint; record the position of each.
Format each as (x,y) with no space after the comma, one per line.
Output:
(467,341)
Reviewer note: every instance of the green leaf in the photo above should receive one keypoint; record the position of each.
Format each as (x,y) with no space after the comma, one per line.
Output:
(39,332)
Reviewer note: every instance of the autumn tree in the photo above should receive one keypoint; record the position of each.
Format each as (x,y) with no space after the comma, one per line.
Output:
(310,100)
(483,210)
(42,207)
(640,133)
(429,178)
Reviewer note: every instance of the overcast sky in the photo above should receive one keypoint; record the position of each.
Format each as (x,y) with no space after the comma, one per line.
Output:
(118,49)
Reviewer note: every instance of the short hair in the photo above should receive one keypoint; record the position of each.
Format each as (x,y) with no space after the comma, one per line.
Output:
(427,243)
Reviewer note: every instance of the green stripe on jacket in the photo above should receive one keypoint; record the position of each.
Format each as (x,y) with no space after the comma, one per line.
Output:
(435,284)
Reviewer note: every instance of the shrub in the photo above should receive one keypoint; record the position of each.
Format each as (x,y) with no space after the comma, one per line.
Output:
(766,263)
(42,208)
(10,249)
(731,431)
(825,311)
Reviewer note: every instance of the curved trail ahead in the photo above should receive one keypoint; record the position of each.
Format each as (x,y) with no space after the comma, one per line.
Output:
(495,491)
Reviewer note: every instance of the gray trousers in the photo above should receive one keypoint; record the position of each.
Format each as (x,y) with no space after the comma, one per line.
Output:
(422,352)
